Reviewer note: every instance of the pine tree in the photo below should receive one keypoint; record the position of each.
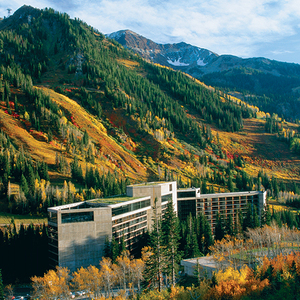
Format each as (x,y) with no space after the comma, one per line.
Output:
(122,246)
(107,248)
(191,246)
(229,226)
(219,229)
(1,287)
(24,185)
(85,138)
(153,273)
(114,249)
(230,184)
(255,218)
(170,228)
(238,224)
(266,216)
(208,237)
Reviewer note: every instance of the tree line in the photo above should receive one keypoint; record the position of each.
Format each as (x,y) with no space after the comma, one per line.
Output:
(24,251)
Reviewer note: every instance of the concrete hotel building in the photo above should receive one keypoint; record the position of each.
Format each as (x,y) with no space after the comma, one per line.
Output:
(191,201)
(77,231)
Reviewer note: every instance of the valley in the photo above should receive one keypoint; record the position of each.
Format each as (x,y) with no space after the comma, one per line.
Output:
(83,117)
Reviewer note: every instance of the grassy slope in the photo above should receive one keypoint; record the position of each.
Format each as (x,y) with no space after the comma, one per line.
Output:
(97,132)
(15,129)
(262,151)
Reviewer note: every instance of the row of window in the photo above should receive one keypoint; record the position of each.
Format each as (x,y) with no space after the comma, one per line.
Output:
(229,199)
(127,218)
(130,207)
(74,217)
(186,194)
(130,223)
(127,232)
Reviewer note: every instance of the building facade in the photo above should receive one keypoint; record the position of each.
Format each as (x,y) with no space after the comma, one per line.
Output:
(190,201)
(78,231)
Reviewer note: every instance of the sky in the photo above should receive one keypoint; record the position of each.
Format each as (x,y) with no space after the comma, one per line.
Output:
(245,28)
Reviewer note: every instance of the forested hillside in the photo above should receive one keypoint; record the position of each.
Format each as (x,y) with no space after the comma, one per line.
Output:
(81,117)
(271,85)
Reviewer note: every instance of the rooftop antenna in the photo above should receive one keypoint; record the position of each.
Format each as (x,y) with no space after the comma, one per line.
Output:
(9,11)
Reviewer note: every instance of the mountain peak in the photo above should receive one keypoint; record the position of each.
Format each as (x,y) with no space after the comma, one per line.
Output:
(177,55)
(20,16)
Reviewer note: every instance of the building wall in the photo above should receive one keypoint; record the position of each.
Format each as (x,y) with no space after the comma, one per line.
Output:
(82,243)
(157,191)
(229,204)
(77,232)
(131,225)
(205,265)
(223,203)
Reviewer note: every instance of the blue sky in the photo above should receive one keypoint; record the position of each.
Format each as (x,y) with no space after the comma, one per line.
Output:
(246,28)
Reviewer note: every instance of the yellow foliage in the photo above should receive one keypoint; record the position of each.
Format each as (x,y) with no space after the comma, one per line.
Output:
(231,274)
(64,120)
(230,288)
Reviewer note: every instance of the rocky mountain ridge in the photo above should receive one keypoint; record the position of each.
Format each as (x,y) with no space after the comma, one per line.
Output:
(195,60)
(257,77)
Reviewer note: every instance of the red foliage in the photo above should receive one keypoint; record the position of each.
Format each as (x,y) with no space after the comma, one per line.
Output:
(230,156)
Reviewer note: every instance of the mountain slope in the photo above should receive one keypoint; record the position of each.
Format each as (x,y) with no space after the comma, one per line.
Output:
(260,76)
(79,108)
(180,56)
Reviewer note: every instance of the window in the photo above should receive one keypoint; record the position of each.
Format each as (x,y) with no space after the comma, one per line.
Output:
(86,216)
(186,194)
(130,207)
(52,217)
(185,207)
(166,198)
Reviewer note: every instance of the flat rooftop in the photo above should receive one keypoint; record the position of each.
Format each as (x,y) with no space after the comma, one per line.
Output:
(207,261)
(149,183)
(232,194)
(113,200)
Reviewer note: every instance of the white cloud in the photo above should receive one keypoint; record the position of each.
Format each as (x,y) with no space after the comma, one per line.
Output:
(238,27)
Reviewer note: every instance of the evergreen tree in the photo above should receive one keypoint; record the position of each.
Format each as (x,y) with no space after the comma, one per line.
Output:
(248,219)
(191,246)
(1,287)
(24,185)
(85,138)
(170,228)
(266,216)
(219,228)
(153,273)
(114,249)
(255,218)
(230,184)
(229,229)
(238,224)
(122,246)
(207,236)
(107,248)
